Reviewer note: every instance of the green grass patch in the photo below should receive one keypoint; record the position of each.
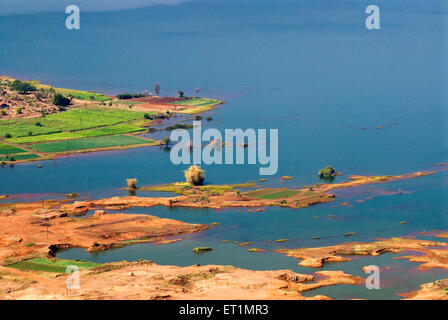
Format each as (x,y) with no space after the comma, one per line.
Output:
(103,131)
(89,117)
(7,149)
(89,143)
(74,119)
(52,265)
(23,127)
(271,193)
(78,94)
(186,188)
(197,102)
(17,157)
(280,195)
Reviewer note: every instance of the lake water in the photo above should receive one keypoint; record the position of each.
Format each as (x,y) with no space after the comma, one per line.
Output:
(308,68)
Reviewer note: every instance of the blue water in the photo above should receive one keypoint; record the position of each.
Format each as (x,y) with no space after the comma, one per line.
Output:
(308,68)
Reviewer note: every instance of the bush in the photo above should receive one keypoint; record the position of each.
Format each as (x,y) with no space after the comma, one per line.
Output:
(165,141)
(195,175)
(22,86)
(132,183)
(126,96)
(8,135)
(60,100)
(38,124)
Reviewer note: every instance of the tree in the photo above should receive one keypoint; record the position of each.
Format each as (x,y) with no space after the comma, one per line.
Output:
(195,175)
(157,88)
(180,94)
(327,173)
(22,86)
(132,184)
(60,100)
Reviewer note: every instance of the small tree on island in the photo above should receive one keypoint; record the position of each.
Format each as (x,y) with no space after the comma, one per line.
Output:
(180,94)
(327,173)
(157,88)
(132,184)
(195,175)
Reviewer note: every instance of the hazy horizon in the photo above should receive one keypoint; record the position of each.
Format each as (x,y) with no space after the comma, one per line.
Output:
(9,7)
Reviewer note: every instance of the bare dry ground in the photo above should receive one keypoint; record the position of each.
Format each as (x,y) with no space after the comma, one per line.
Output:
(145,280)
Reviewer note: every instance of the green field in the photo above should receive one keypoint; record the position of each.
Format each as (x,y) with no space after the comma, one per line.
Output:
(198,105)
(52,265)
(197,102)
(90,117)
(22,156)
(7,149)
(75,119)
(103,131)
(22,128)
(272,193)
(78,94)
(89,143)
(280,195)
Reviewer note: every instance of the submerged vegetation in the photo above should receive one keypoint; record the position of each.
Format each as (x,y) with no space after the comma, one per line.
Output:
(202,249)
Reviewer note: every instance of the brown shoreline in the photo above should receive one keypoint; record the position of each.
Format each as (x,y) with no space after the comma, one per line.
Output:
(41,228)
